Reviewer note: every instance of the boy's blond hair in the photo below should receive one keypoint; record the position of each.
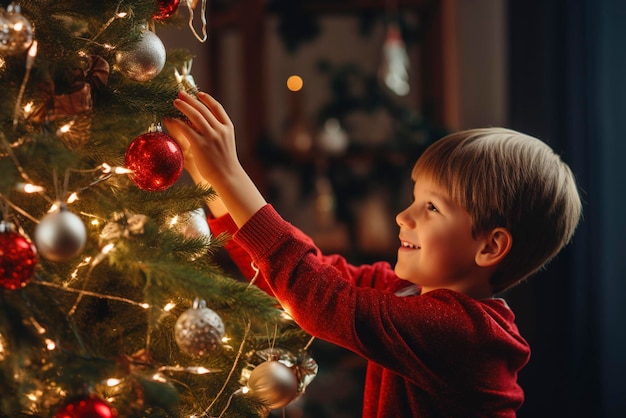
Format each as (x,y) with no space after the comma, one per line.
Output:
(507,179)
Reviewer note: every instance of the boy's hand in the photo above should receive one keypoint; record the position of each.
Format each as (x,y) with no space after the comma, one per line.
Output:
(209,145)
(208,142)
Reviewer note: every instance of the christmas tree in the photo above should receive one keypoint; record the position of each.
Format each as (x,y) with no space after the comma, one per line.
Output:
(111,301)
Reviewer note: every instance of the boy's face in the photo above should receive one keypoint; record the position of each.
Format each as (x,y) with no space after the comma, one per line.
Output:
(437,249)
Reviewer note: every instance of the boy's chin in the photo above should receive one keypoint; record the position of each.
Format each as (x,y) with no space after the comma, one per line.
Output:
(401,274)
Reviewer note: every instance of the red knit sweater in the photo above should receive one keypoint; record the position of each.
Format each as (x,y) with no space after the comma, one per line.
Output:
(441,354)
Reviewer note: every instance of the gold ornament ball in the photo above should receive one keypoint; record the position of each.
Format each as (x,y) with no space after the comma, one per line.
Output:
(273,383)
(145,60)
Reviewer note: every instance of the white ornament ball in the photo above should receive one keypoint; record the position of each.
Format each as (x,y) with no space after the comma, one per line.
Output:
(60,236)
(273,383)
(145,60)
(199,330)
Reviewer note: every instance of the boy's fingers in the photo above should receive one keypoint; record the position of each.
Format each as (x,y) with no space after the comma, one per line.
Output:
(199,119)
(216,107)
(202,108)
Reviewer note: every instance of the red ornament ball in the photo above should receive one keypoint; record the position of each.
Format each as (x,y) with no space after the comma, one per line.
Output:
(166,9)
(90,407)
(18,258)
(156,161)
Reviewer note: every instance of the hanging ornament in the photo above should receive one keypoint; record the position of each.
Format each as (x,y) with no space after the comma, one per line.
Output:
(16,32)
(156,160)
(184,78)
(18,257)
(303,366)
(61,235)
(199,330)
(166,9)
(273,383)
(123,224)
(89,407)
(193,224)
(395,67)
(333,139)
(145,60)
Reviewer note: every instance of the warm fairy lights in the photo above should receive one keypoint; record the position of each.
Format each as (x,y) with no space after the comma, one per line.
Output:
(32,53)
(28,188)
(199,370)
(83,263)
(94,294)
(107,249)
(50,345)
(65,128)
(30,60)
(72,198)
(107,169)
(55,207)
(286,315)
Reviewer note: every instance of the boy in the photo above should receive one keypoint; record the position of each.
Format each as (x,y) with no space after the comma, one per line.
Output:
(490,207)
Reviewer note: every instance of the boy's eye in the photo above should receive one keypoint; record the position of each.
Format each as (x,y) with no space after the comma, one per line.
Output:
(431,207)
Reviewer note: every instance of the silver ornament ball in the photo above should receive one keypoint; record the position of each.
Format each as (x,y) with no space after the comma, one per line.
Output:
(60,236)
(193,224)
(145,60)
(199,330)
(16,32)
(273,383)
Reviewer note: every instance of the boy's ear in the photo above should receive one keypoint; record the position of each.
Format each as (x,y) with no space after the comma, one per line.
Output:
(496,246)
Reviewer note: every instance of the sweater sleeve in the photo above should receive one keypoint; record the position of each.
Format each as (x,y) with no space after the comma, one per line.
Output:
(425,338)
(364,276)
(225,225)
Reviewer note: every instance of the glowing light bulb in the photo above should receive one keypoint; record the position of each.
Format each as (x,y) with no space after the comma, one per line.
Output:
(73,198)
(107,248)
(29,188)
(113,382)
(50,345)
(295,83)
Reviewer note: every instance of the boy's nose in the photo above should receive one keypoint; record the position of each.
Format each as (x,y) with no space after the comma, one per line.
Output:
(400,218)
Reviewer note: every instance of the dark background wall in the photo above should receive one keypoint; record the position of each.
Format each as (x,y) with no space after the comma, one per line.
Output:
(567,68)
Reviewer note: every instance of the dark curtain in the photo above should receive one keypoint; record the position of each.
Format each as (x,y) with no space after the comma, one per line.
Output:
(567,74)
